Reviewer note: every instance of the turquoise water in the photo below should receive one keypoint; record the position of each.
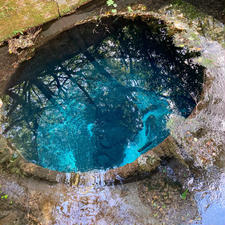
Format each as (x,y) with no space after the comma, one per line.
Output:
(77,136)
(105,105)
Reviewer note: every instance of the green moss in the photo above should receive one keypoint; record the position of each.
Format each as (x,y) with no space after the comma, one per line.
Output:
(194,37)
(187,9)
(206,62)
(70,6)
(81,2)
(65,10)
(19,16)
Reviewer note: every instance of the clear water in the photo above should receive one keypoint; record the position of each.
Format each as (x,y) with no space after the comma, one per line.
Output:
(104,106)
(81,135)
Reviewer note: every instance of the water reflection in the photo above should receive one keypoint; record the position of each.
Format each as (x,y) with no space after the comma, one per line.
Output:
(210,198)
(106,105)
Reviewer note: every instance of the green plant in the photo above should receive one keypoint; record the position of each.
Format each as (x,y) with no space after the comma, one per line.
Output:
(113,4)
(114,10)
(15,32)
(184,195)
(4,196)
(130,10)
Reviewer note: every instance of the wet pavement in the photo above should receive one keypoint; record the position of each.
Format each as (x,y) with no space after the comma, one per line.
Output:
(171,195)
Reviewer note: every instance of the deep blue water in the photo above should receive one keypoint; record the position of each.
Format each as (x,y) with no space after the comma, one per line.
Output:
(78,135)
(104,106)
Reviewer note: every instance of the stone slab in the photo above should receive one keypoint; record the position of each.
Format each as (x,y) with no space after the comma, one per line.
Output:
(16,16)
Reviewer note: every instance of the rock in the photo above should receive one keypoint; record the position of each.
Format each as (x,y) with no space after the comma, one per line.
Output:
(180,26)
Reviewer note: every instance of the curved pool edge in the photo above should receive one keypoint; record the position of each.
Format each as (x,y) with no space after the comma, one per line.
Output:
(144,164)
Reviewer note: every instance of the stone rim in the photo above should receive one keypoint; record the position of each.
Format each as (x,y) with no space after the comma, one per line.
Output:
(143,165)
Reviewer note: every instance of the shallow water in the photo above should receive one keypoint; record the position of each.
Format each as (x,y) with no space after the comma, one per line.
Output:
(210,197)
(104,106)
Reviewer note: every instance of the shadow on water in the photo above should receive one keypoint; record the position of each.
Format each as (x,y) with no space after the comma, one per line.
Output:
(104,102)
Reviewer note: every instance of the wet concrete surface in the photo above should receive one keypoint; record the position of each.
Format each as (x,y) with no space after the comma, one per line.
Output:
(133,203)
(158,199)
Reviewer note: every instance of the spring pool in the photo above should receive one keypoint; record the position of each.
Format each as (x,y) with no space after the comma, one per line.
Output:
(104,104)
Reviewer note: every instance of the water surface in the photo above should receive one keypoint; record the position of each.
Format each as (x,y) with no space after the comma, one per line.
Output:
(106,104)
